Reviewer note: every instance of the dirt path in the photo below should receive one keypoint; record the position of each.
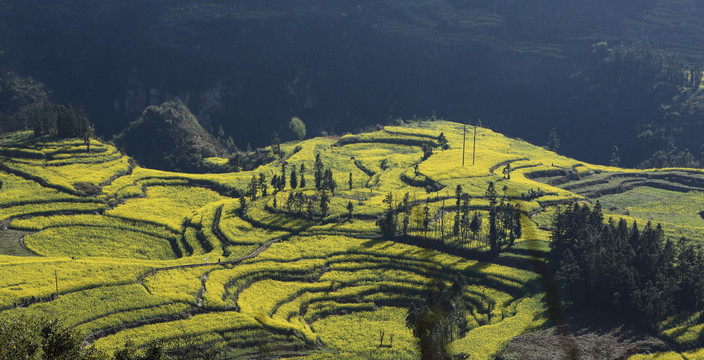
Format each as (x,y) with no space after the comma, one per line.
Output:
(504,163)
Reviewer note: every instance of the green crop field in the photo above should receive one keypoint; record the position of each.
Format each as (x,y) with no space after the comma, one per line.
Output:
(139,254)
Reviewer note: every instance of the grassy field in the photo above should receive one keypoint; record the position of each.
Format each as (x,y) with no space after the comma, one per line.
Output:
(140,254)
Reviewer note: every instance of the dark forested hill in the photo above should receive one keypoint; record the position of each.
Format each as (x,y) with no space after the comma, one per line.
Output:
(248,66)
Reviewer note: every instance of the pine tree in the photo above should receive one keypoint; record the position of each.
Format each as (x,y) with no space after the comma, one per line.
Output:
(427,151)
(464,222)
(282,179)
(426,218)
(442,141)
(318,172)
(302,173)
(253,187)
(387,223)
(475,225)
(294,178)
(493,231)
(324,204)
(553,141)
(275,143)
(243,206)
(615,159)
(458,197)
(275,183)
(328,182)
(262,184)
(507,171)
(350,208)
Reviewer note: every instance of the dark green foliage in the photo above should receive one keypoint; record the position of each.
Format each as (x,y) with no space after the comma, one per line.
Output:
(253,187)
(318,169)
(328,182)
(406,214)
(509,224)
(246,161)
(442,141)
(615,160)
(475,225)
(262,184)
(302,174)
(350,208)
(426,217)
(44,119)
(440,319)
(63,121)
(350,181)
(507,171)
(613,268)
(553,141)
(275,183)
(427,150)
(155,350)
(297,127)
(38,338)
(456,224)
(282,179)
(275,143)
(463,212)
(71,122)
(295,202)
(671,156)
(526,61)
(324,204)
(169,137)
(243,206)
(387,222)
(493,231)
(23,102)
(294,179)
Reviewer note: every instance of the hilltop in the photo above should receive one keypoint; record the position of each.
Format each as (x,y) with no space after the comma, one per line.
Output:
(251,266)
(169,137)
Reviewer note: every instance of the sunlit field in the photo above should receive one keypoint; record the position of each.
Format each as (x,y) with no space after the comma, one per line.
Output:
(139,254)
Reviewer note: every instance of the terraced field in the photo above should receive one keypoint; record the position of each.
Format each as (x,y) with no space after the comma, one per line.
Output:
(138,254)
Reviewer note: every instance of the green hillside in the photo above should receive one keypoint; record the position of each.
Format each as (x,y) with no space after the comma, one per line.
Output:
(142,254)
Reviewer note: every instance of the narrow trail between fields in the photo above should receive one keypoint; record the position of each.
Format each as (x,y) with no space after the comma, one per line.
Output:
(504,163)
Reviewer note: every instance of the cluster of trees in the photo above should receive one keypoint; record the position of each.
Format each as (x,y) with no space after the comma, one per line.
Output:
(611,267)
(248,160)
(297,202)
(63,121)
(671,156)
(39,338)
(504,219)
(465,223)
(20,99)
(440,319)
(311,207)
(323,178)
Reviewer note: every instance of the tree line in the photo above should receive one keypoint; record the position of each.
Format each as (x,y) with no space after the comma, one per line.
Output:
(615,268)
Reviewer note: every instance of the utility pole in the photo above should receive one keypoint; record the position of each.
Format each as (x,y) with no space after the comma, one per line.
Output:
(464,135)
(474,148)
(56,279)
